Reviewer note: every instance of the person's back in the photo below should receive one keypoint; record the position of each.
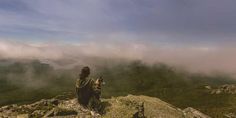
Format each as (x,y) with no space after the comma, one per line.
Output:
(88,92)
(84,91)
(84,87)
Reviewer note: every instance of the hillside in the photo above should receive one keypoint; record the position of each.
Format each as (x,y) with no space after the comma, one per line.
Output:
(116,107)
(28,81)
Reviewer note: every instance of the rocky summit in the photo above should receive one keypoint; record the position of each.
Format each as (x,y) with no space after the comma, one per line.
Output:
(116,107)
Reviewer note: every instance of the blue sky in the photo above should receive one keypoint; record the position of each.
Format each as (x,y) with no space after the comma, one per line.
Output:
(172,22)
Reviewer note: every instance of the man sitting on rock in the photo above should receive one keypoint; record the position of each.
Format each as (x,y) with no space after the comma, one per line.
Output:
(87,91)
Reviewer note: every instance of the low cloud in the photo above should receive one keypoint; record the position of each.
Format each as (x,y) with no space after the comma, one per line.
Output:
(196,59)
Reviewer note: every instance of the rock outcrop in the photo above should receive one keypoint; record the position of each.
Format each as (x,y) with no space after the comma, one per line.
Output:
(227,88)
(230,115)
(193,113)
(119,107)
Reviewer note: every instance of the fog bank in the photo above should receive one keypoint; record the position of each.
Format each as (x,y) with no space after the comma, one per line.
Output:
(196,59)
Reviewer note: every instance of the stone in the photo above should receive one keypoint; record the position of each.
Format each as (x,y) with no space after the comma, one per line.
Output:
(38,113)
(23,116)
(193,113)
(218,91)
(60,112)
(227,88)
(208,87)
(230,115)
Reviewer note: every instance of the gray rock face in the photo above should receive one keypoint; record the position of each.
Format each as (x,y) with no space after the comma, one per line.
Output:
(120,107)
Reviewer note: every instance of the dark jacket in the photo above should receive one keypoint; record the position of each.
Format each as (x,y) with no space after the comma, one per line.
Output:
(84,90)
